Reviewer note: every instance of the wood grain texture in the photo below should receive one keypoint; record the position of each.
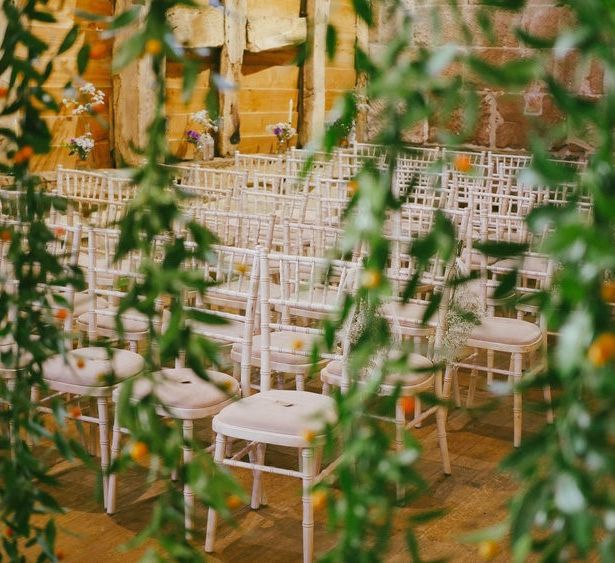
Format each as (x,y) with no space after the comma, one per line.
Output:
(313,78)
(64,125)
(473,497)
(231,56)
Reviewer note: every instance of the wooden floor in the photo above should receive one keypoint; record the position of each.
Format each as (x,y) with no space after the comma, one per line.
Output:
(474,497)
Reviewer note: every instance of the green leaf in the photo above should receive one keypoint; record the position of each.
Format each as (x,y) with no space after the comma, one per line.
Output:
(69,39)
(128,51)
(501,249)
(331,41)
(83,57)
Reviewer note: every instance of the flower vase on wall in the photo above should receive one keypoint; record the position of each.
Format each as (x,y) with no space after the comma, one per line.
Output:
(207,147)
(281,146)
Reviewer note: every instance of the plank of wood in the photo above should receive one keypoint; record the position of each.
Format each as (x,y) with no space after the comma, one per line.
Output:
(361,84)
(133,100)
(275,32)
(313,75)
(231,56)
(198,27)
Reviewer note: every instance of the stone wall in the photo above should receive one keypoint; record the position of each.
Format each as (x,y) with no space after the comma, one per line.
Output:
(506,117)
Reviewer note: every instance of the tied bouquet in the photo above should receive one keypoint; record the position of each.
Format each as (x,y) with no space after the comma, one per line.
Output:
(87,99)
(200,136)
(284,132)
(81,146)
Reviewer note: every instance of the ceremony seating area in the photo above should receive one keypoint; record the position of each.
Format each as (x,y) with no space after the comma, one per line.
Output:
(279,266)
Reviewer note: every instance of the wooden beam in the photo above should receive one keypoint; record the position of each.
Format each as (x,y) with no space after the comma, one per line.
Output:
(266,32)
(361,81)
(313,75)
(134,100)
(198,27)
(231,57)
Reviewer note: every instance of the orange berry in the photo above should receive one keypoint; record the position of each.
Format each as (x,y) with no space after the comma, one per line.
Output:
(233,501)
(99,50)
(139,451)
(80,363)
(153,47)
(602,350)
(371,279)
(4,92)
(9,532)
(23,154)
(297,344)
(309,435)
(463,163)
(75,411)
(61,314)
(353,186)
(488,549)
(59,232)
(60,555)
(607,291)
(319,499)
(5,235)
(407,404)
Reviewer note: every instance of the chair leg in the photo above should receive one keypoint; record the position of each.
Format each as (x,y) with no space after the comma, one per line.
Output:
(115,452)
(212,515)
(308,506)
(326,388)
(10,385)
(103,426)
(546,391)
(517,400)
(132,345)
(418,409)
(456,391)
(400,425)
(188,427)
(490,362)
(442,439)
(300,382)
(472,386)
(34,399)
(91,439)
(257,483)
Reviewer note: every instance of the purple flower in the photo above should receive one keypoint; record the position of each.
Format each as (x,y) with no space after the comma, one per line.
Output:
(277,131)
(193,136)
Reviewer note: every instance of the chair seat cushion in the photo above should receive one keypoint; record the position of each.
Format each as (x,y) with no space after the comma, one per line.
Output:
(332,373)
(82,303)
(181,388)
(506,332)
(407,314)
(296,345)
(132,320)
(531,263)
(289,418)
(91,367)
(231,331)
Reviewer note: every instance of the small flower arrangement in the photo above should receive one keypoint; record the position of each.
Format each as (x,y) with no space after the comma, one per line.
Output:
(284,132)
(82,145)
(87,99)
(207,123)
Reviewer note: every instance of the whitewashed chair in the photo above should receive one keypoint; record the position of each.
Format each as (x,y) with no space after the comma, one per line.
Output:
(234,273)
(285,184)
(180,394)
(522,341)
(90,372)
(206,178)
(108,281)
(294,419)
(253,163)
(241,230)
(318,241)
(422,373)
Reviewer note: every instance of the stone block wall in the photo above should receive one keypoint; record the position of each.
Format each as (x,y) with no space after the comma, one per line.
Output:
(506,117)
